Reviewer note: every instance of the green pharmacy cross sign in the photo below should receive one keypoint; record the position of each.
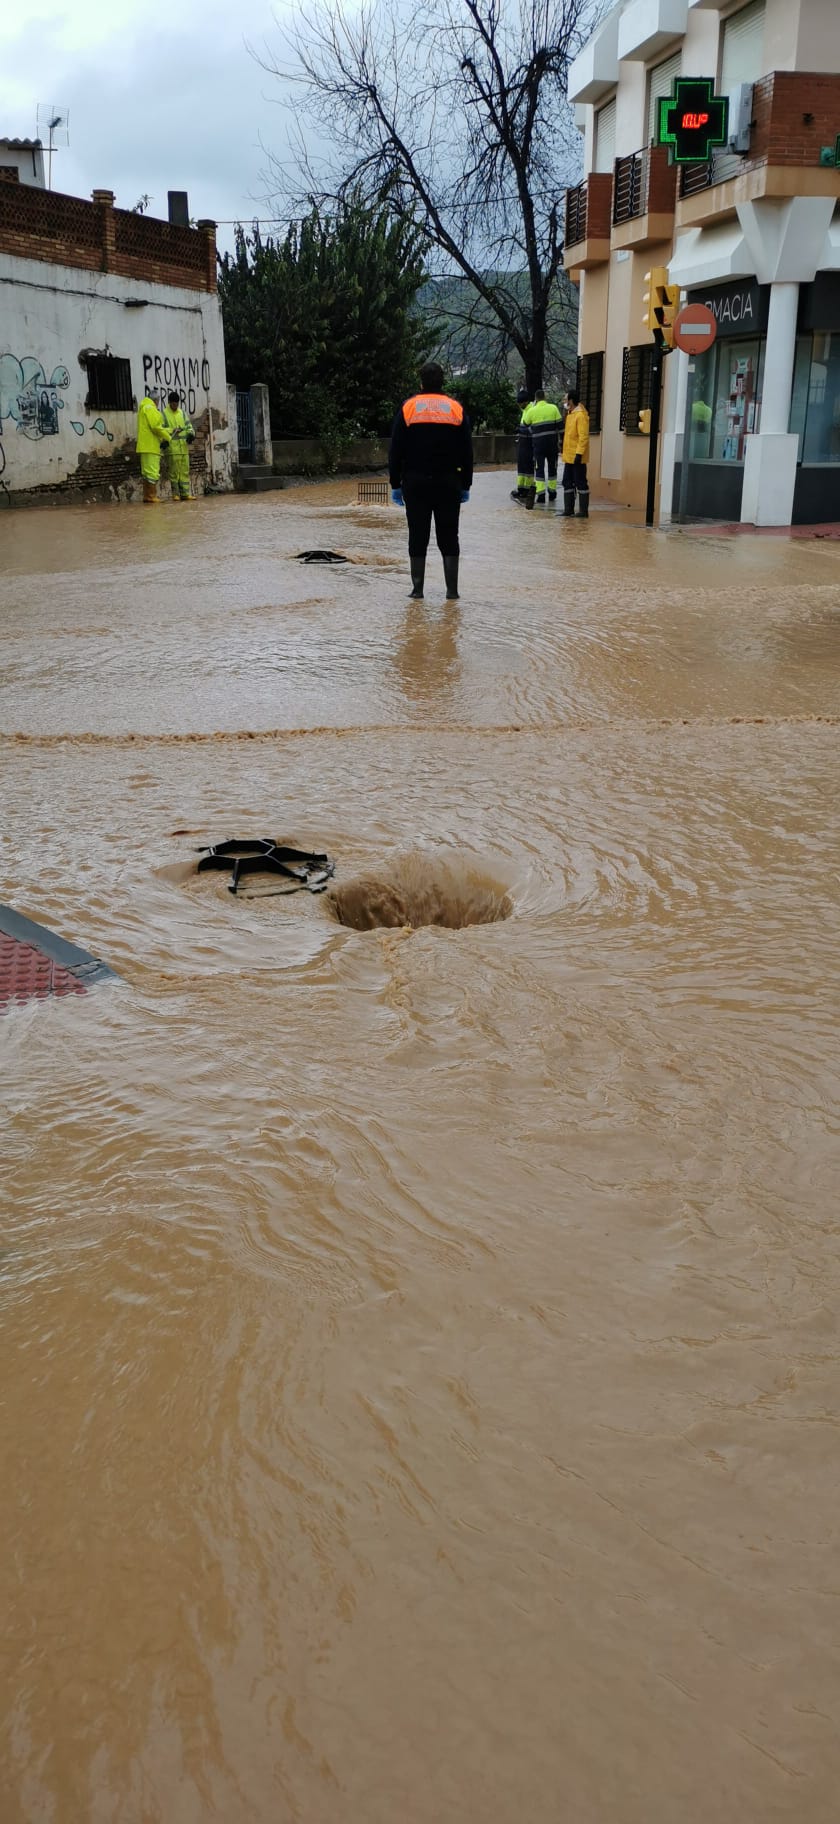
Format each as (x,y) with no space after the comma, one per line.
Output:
(692,120)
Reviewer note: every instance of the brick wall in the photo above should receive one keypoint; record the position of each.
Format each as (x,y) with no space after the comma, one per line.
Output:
(597,190)
(101,477)
(662,182)
(68,231)
(781,134)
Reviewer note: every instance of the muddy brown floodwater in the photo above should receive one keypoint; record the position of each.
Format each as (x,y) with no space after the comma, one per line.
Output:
(420,1362)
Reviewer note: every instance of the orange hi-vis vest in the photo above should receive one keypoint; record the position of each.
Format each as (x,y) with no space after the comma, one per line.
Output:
(433,408)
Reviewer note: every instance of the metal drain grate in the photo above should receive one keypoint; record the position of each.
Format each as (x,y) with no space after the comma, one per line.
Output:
(373,494)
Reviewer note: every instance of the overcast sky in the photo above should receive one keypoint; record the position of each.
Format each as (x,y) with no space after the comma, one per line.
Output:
(162,96)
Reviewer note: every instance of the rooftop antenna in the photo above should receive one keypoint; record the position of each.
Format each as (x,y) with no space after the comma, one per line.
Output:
(54,121)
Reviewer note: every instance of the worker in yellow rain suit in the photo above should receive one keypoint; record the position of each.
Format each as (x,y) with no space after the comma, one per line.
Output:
(152,437)
(575,457)
(182,436)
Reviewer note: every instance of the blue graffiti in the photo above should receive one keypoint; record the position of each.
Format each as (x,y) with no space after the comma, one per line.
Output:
(29,398)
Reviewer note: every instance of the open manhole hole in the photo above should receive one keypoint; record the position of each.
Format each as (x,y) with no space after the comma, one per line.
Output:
(419,890)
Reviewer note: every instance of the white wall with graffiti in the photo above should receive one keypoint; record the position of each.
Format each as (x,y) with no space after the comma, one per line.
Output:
(77,351)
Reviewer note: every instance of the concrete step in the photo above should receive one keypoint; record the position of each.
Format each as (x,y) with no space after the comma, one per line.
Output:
(262,484)
(251,471)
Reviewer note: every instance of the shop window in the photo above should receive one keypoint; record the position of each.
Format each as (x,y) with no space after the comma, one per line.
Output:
(635,386)
(725,400)
(590,387)
(799,390)
(109,384)
(819,439)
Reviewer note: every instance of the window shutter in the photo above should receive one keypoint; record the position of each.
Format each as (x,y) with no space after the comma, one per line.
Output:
(742,47)
(590,388)
(605,137)
(635,386)
(660,82)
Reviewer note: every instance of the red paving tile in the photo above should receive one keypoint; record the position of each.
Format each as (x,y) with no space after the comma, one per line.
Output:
(26,974)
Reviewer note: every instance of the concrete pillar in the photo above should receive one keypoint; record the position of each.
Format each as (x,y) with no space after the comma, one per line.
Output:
(262,424)
(771,452)
(676,369)
(232,430)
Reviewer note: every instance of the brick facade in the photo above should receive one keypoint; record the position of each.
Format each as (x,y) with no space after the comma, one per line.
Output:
(595,217)
(40,224)
(661,182)
(795,113)
(115,476)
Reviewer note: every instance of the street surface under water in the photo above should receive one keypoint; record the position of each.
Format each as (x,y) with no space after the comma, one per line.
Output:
(420,1362)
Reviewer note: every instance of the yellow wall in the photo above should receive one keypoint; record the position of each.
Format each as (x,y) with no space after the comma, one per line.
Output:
(612,318)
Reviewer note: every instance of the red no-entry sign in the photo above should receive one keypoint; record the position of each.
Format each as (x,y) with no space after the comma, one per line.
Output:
(695,328)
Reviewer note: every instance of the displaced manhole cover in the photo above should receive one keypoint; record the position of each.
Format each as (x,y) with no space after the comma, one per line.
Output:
(420,889)
(321,557)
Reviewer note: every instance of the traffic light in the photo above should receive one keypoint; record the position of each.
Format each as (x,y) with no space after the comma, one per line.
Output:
(644,421)
(662,302)
(670,309)
(657,280)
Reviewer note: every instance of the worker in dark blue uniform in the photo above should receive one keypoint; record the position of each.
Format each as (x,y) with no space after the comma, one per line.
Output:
(430,463)
(524,453)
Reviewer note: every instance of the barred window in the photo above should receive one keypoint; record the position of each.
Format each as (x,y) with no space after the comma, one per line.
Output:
(109,384)
(590,388)
(635,386)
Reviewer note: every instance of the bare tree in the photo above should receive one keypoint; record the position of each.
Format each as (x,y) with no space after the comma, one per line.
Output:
(455,112)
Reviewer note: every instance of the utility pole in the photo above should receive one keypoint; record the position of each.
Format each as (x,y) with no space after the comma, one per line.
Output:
(657,362)
(662,302)
(56,122)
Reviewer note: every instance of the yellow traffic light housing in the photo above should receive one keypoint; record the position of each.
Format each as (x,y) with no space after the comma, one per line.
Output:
(670,309)
(662,302)
(657,280)
(644,421)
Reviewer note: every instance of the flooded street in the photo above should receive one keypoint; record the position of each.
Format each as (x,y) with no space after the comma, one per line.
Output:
(420,1368)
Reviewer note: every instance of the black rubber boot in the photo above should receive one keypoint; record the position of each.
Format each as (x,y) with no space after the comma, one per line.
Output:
(531,499)
(583,503)
(450,571)
(568,503)
(552,494)
(418,576)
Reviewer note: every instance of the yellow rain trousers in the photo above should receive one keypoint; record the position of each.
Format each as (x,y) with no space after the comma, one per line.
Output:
(179,428)
(151,434)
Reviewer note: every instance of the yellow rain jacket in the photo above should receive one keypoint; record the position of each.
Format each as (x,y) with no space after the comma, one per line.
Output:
(151,429)
(179,428)
(576,435)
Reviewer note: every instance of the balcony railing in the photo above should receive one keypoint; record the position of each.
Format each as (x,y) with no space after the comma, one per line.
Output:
(644,183)
(588,208)
(630,187)
(576,214)
(715,170)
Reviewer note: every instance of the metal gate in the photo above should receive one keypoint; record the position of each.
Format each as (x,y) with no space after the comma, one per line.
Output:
(244,426)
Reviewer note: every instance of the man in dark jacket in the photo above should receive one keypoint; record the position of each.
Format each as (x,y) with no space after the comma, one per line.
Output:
(431,468)
(524,490)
